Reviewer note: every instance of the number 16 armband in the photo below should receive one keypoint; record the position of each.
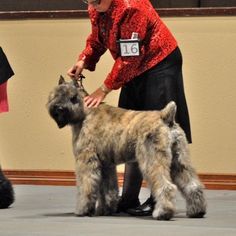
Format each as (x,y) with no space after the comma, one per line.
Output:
(129,47)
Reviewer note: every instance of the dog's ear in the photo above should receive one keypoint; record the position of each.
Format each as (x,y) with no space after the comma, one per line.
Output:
(61,80)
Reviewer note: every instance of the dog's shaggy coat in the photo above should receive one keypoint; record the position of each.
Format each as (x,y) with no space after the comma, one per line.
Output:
(106,136)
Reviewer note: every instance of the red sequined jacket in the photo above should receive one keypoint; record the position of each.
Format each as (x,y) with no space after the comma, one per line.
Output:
(121,19)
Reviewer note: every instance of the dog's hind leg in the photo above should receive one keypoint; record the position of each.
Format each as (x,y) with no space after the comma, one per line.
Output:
(186,179)
(108,191)
(88,178)
(155,168)
(163,191)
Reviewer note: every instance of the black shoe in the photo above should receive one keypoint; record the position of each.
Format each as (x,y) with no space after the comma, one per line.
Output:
(123,205)
(143,210)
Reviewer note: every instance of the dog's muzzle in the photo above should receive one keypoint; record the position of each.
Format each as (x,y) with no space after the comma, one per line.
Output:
(61,115)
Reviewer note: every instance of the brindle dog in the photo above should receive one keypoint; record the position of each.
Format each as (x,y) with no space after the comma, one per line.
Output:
(106,136)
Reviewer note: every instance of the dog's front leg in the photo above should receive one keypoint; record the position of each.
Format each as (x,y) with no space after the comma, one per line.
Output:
(88,178)
(108,191)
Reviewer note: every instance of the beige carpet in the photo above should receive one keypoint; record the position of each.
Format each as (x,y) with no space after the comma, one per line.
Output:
(48,210)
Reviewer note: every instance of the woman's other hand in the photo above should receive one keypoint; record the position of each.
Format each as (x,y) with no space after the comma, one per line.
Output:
(94,99)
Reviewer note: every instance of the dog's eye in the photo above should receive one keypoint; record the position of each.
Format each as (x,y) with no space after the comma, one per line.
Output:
(74,100)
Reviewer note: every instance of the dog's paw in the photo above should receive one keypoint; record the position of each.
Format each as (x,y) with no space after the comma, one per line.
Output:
(196,211)
(197,214)
(161,214)
(196,205)
(83,215)
(85,212)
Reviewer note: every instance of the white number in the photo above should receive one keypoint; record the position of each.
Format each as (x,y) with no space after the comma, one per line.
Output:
(134,48)
(129,49)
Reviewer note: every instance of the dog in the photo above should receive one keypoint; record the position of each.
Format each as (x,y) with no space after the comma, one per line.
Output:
(106,136)
(6,191)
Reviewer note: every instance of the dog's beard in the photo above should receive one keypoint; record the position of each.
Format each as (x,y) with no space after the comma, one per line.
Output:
(61,123)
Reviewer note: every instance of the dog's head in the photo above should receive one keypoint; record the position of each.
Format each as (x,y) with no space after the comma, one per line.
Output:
(65,103)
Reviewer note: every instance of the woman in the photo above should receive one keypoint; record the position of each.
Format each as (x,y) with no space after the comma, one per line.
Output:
(147,68)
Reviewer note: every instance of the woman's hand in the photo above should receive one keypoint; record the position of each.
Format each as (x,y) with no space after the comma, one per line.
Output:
(94,99)
(75,71)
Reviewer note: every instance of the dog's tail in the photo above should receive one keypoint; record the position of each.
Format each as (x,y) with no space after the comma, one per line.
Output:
(168,113)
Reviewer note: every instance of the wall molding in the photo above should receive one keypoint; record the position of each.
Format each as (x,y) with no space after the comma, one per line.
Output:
(67,178)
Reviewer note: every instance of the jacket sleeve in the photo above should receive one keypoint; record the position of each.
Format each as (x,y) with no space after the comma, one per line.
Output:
(94,48)
(125,68)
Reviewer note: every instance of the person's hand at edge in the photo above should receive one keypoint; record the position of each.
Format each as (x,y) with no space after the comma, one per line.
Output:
(75,71)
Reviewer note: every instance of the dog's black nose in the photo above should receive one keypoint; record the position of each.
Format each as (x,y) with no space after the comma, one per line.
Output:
(60,114)
(58,109)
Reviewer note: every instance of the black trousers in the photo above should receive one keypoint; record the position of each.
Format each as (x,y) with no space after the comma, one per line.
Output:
(153,89)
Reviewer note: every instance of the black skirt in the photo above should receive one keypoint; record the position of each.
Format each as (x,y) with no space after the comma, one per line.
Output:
(155,88)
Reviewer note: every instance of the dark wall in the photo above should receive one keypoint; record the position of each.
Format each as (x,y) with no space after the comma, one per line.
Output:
(38,5)
(218,3)
(175,3)
(193,3)
(33,5)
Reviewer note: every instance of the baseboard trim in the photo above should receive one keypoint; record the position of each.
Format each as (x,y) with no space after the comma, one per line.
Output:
(67,178)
